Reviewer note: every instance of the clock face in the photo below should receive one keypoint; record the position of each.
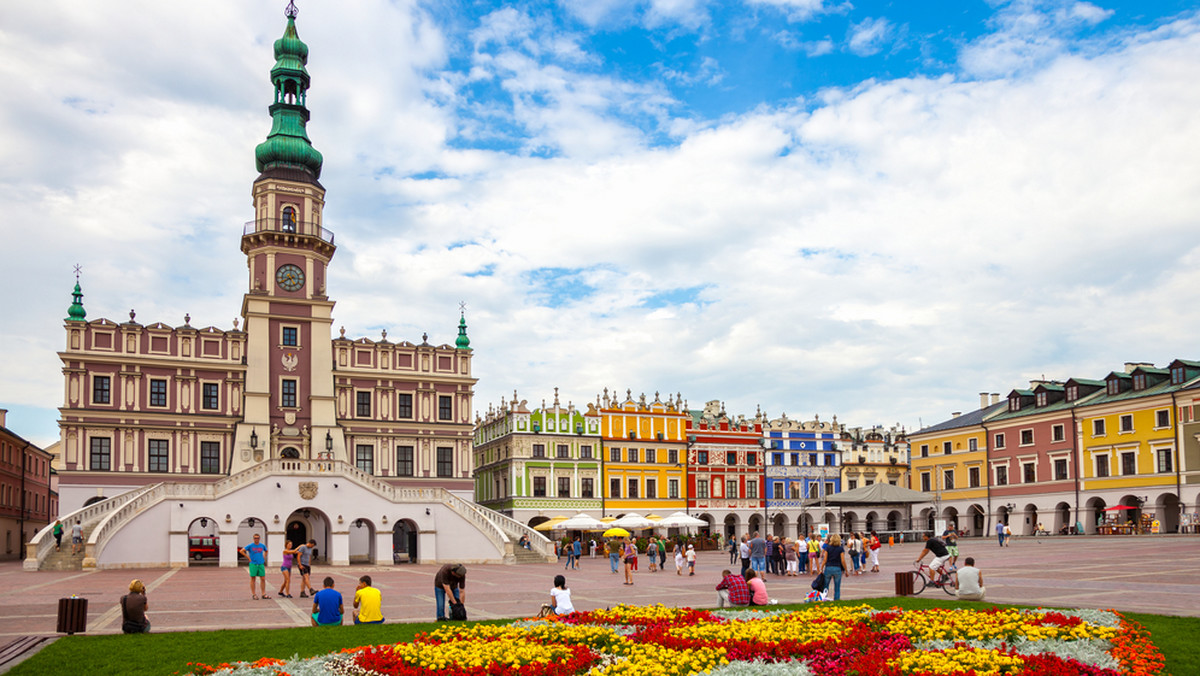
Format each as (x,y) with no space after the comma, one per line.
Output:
(290,277)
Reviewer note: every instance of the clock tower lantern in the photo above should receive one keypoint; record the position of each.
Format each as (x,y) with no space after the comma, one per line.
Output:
(289,393)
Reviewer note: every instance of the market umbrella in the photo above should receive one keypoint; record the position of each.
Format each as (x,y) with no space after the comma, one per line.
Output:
(551,524)
(634,521)
(681,520)
(1110,509)
(616,533)
(581,522)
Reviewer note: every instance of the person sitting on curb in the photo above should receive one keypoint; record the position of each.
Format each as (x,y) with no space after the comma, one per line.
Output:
(732,590)
(327,610)
(368,602)
(969,583)
(758,589)
(133,610)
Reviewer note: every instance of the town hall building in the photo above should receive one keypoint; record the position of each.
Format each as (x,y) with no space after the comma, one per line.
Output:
(173,434)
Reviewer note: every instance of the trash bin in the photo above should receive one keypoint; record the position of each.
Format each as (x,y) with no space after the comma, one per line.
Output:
(72,615)
(904,583)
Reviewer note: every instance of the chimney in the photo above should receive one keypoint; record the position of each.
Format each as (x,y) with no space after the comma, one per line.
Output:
(1131,365)
(955,414)
(3,414)
(983,400)
(995,397)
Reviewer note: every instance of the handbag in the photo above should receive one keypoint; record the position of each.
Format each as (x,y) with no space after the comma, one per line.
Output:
(458,611)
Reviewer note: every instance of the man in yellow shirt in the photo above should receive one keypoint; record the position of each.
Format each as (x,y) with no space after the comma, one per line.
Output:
(368,602)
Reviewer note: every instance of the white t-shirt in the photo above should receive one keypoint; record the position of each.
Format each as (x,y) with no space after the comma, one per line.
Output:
(562,601)
(968,580)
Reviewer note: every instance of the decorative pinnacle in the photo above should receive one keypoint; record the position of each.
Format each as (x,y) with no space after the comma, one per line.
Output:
(291,10)
(78,271)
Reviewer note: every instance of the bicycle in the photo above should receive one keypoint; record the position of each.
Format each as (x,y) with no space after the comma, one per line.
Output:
(924,577)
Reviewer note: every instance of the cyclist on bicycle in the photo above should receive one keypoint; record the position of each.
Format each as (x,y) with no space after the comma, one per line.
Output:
(941,555)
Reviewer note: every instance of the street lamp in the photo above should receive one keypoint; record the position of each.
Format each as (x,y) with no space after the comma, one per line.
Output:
(253,439)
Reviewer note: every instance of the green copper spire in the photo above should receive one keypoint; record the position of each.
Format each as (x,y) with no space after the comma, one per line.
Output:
(462,342)
(76,313)
(287,146)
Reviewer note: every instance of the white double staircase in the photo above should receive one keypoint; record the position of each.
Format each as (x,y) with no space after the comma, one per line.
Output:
(102,520)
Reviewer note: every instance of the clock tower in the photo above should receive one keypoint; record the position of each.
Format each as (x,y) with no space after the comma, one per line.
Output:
(289,393)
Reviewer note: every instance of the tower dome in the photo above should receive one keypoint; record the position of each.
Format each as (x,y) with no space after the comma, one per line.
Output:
(287,146)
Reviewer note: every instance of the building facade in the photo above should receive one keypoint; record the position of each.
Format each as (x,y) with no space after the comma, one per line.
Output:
(725,469)
(28,502)
(273,426)
(1088,455)
(645,455)
(803,466)
(533,465)
(950,461)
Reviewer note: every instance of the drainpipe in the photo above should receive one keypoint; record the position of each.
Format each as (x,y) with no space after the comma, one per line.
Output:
(1178,450)
(1075,432)
(987,466)
(24,471)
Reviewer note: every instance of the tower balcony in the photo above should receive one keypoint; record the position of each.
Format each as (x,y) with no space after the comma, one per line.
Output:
(286,227)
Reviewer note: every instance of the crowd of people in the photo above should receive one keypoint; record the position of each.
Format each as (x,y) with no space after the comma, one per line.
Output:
(828,559)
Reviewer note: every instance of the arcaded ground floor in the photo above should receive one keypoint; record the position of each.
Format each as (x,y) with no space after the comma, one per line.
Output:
(1154,574)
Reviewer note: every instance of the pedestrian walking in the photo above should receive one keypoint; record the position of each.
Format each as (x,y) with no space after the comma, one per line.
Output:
(874,546)
(614,554)
(305,552)
(1000,532)
(691,560)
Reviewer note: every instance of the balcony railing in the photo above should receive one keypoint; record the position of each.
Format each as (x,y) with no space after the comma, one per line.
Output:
(287,227)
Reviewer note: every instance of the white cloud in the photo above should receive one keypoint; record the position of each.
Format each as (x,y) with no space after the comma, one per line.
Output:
(1028,34)
(867,36)
(801,10)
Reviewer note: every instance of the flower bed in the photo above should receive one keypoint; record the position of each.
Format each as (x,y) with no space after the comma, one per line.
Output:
(819,640)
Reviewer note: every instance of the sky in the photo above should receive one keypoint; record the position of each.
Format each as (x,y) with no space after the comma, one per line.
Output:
(874,210)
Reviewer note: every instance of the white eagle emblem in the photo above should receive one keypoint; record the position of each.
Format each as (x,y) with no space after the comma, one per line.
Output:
(290,361)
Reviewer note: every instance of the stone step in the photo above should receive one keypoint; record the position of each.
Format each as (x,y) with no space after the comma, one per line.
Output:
(64,559)
(522,555)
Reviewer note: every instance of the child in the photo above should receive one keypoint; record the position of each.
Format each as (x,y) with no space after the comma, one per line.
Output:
(691,560)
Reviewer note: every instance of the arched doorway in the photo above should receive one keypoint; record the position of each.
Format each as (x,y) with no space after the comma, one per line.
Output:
(1095,512)
(893,521)
(1062,518)
(362,541)
(310,524)
(779,525)
(977,520)
(1167,510)
(290,452)
(848,522)
(871,519)
(404,541)
(1031,519)
(731,524)
(93,500)
(204,546)
(297,532)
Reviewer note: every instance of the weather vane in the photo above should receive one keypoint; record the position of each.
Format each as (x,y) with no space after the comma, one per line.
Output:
(291,11)
(78,270)
(462,306)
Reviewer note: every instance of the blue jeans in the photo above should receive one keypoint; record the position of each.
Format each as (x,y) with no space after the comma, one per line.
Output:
(612,560)
(439,597)
(758,563)
(833,580)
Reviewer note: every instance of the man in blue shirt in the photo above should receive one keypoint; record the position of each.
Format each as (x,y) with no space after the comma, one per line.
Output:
(327,606)
(257,553)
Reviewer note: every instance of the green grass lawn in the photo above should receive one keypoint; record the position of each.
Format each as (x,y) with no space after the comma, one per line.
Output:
(170,653)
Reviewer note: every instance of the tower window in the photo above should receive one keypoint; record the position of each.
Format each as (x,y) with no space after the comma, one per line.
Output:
(287,393)
(289,336)
(289,219)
